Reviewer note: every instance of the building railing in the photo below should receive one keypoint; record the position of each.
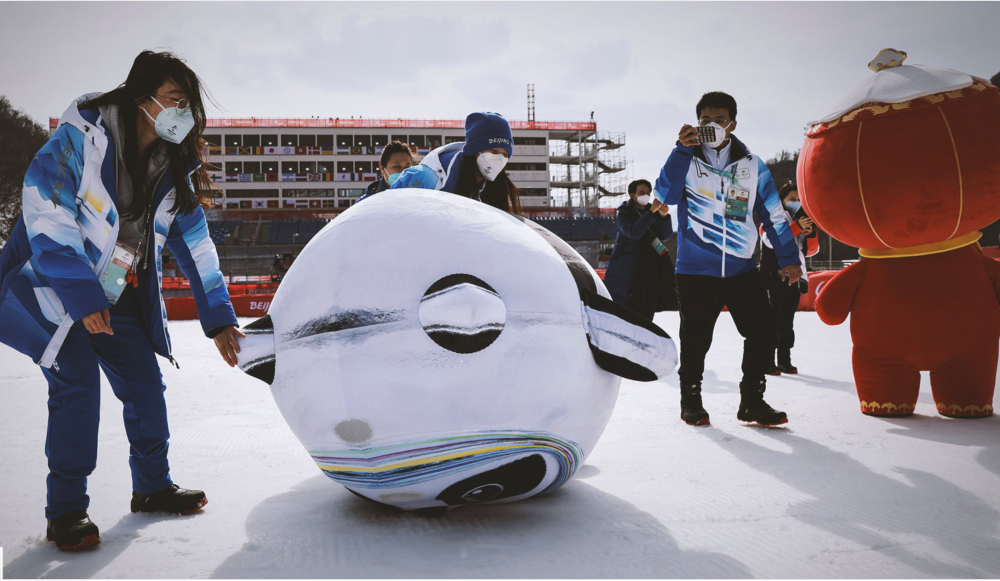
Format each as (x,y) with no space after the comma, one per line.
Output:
(388,123)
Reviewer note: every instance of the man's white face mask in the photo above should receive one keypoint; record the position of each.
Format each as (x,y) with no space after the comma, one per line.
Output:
(720,134)
(491,164)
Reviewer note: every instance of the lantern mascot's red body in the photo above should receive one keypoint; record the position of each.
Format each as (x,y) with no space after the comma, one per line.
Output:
(910,183)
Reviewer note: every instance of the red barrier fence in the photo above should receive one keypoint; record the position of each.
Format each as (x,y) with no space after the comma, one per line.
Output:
(248,304)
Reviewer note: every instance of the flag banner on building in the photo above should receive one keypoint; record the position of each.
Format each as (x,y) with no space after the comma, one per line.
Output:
(300,150)
(272,150)
(244,151)
(301,203)
(345,177)
(231,204)
(272,203)
(356,150)
(423,150)
(343,149)
(247,204)
(369,177)
(288,203)
(214,150)
(315,177)
(313,150)
(246,177)
(287,150)
(215,176)
(329,203)
(378,149)
(328,150)
(288,177)
(232,177)
(259,204)
(258,177)
(270,177)
(314,204)
(230,150)
(301,177)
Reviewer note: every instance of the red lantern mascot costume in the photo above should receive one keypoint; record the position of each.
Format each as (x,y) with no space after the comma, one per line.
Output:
(907,169)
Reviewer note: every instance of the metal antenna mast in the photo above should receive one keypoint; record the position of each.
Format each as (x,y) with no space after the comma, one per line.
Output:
(531,102)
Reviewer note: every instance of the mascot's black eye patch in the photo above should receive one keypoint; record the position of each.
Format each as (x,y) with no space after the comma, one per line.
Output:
(342,320)
(462,313)
(514,479)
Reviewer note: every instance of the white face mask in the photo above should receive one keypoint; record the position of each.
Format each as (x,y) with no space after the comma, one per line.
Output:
(172,124)
(491,164)
(720,134)
(643,200)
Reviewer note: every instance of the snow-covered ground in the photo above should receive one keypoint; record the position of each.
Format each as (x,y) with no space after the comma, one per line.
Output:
(833,494)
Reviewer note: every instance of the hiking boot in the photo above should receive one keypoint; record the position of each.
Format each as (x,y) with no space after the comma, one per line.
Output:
(785,362)
(692,411)
(753,408)
(773,370)
(73,531)
(172,499)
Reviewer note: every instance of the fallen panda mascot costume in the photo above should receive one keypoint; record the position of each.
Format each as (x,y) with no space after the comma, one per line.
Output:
(431,351)
(907,168)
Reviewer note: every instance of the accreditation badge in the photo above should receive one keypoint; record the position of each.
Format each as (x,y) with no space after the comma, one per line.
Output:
(116,274)
(737,203)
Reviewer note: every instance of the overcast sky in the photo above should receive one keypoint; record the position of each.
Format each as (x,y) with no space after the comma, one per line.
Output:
(640,67)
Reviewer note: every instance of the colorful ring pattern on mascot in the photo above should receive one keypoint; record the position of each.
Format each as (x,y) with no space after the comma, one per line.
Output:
(430,351)
(895,175)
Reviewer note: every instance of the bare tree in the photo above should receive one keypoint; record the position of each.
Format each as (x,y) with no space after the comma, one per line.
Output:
(20,139)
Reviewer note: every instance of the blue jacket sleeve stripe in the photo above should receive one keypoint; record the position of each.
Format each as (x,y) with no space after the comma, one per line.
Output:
(418,176)
(190,243)
(772,218)
(50,214)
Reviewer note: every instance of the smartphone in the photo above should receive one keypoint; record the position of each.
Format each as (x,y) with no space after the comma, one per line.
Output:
(706,134)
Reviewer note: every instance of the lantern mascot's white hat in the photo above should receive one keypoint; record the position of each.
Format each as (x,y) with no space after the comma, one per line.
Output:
(431,351)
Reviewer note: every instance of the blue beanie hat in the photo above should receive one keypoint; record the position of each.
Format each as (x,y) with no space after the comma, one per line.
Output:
(485,131)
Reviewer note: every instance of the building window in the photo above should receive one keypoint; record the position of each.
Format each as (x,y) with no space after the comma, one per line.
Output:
(433,141)
(215,140)
(525,167)
(289,167)
(363,167)
(529,141)
(269,140)
(209,166)
(417,140)
(307,167)
(234,167)
(380,140)
(251,141)
(324,140)
(533,191)
(344,140)
(345,203)
(289,140)
(324,167)
(351,192)
(345,167)
(399,138)
(362,140)
(270,166)
(234,140)
(453,139)
(307,140)
(251,167)
(233,193)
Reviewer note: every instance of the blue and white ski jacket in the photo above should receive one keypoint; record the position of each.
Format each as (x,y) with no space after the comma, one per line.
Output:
(716,235)
(437,171)
(49,269)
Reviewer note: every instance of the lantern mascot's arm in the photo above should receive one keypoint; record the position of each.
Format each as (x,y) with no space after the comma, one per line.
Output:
(835,300)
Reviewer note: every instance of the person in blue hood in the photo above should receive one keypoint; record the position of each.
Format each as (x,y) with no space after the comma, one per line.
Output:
(396,157)
(80,287)
(473,168)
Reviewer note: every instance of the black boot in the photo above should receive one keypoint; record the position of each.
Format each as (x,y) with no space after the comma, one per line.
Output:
(173,499)
(753,408)
(692,411)
(73,531)
(785,362)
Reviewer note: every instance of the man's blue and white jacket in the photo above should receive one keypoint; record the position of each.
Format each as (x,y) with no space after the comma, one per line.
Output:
(437,171)
(69,225)
(709,242)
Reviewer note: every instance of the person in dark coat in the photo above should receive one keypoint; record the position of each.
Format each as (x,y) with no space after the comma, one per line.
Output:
(640,274)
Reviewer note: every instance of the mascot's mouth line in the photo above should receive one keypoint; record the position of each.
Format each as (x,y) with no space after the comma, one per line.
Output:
(343,320)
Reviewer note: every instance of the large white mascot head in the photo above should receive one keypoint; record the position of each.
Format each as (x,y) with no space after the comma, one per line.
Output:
(430,351)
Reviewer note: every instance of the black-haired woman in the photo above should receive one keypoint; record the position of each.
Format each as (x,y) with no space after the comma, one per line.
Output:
(80,278)
(784,298)
(473,168)
(396,158)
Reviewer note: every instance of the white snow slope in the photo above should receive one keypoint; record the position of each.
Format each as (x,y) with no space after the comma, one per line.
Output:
(833,494)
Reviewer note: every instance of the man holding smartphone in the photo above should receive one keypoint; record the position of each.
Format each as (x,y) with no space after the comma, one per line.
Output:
(718,187)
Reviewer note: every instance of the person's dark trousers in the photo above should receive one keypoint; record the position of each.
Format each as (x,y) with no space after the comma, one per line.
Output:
(784,302)
(701,299)
(130,365)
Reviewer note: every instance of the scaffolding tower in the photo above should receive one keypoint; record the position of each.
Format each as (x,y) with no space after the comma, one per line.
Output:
(587,169)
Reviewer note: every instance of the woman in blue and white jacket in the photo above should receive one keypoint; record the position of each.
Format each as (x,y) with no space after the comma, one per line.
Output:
(473,168)
(80,279)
